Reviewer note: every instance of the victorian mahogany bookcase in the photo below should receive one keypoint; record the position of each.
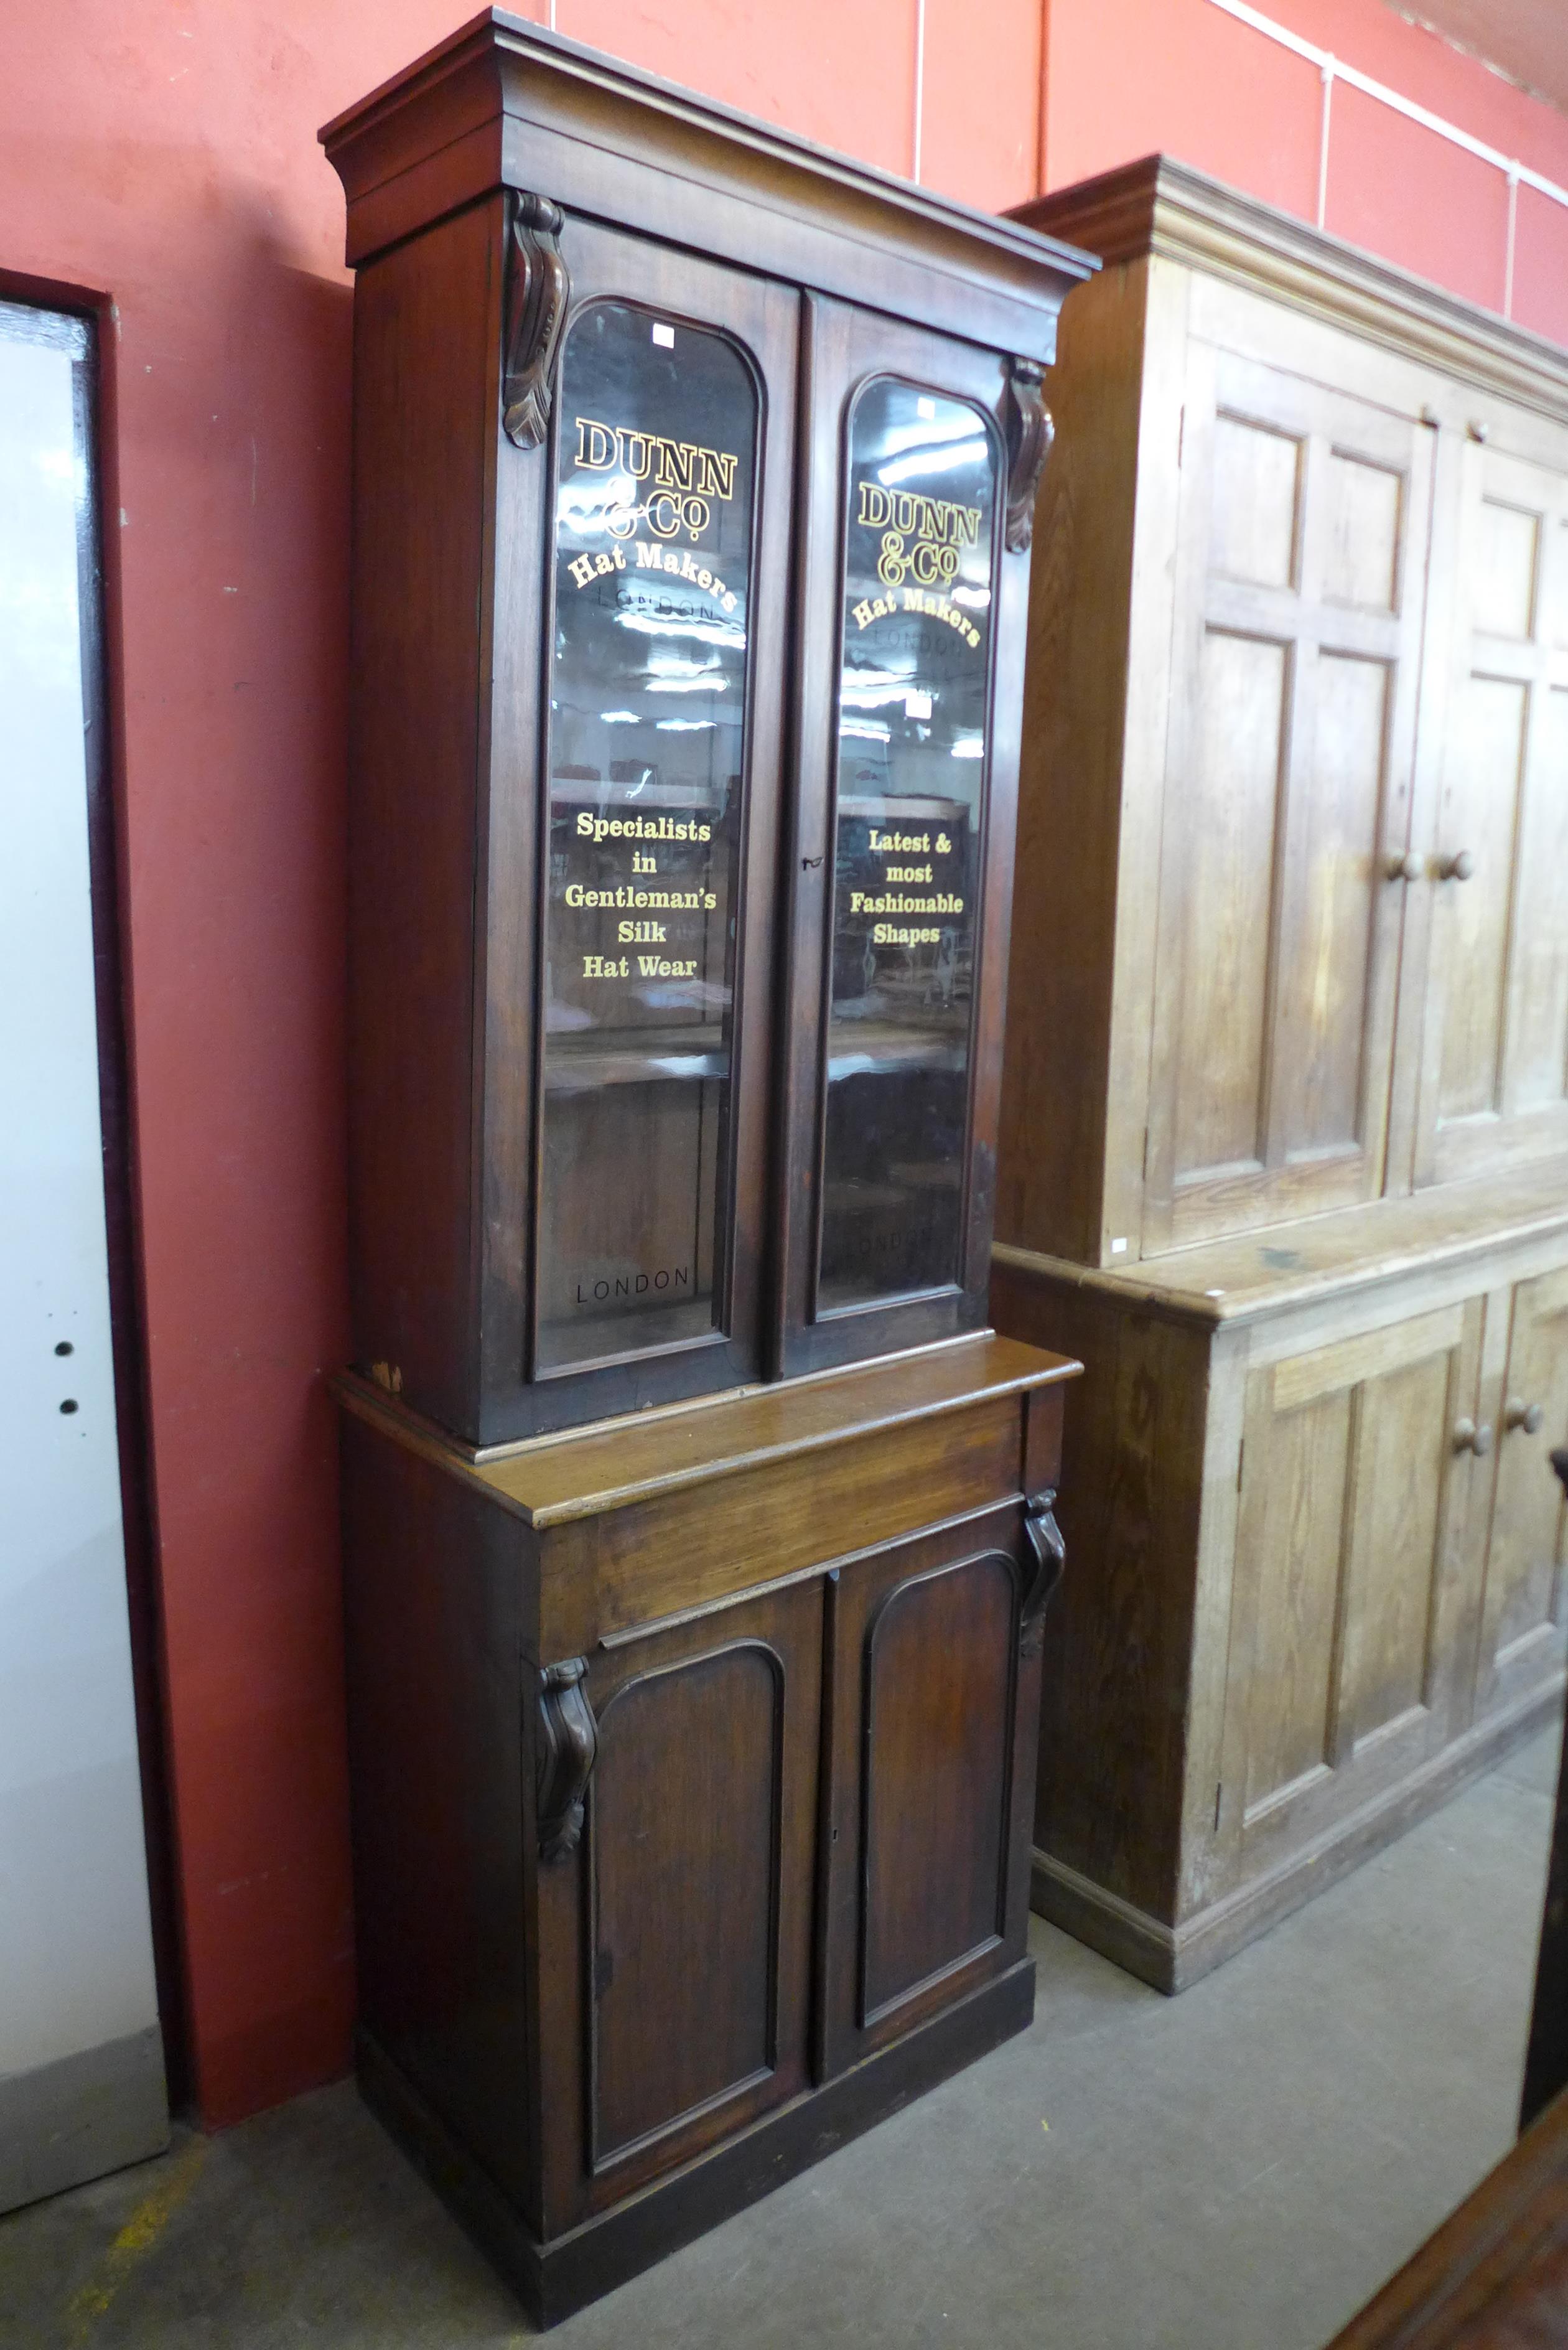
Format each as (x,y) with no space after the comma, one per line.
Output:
(698,1532)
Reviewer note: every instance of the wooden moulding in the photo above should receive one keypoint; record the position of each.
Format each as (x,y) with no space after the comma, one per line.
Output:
(549,1479)
(1160,206)
(686,1507)
(1320,1259)
(501,103)
(1173,1958)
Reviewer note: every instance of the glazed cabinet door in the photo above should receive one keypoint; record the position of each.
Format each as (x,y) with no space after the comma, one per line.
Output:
(676,1938)
(1524,1614)
(656,519)
(933,1701)
(1301,559)
(1495,1060)
(908,684)
(1353,1600)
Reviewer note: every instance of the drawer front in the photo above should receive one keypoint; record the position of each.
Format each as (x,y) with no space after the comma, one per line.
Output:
(709,1542)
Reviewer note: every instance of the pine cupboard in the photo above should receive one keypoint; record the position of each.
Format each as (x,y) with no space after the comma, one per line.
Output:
(1296,723)
(698,1532)
(1318,1552)
(1282,1141)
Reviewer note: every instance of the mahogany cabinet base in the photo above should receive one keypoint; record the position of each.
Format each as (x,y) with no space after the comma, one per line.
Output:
(554,2279)
(1173,1957)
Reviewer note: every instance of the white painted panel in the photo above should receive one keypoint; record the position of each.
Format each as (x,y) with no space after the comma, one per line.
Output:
(75,1956)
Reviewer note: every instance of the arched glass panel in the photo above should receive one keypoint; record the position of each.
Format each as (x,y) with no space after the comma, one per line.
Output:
(913,710)
(658,442)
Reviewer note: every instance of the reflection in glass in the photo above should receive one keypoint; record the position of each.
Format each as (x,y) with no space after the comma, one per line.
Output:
(912,713)
(658,438)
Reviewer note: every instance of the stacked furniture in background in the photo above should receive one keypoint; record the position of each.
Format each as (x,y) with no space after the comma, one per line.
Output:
(1285,1147)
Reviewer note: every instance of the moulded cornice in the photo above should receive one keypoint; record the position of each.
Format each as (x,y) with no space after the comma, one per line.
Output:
(502,103)
(1163,207)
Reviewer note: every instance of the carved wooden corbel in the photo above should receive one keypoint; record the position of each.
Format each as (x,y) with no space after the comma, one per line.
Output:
(1028,430)
(568,1742)
(1049,1552)
(537,291)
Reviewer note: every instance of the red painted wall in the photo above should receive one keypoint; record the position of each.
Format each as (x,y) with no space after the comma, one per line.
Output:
(1126,77)
(162,152)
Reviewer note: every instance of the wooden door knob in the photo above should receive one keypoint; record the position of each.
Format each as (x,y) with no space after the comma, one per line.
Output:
(1458,867)
(1517,1413)
(1470,1437)
(1405,868)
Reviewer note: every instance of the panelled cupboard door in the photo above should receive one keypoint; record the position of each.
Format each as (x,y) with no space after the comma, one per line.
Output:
(1524,1614)
(1495,1063)
(908,660)
(689,1906)
(930,1780)
(664,557)
(1353,1615)
(1301,578)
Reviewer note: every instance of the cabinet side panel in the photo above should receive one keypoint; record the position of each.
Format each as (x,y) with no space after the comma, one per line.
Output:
(435,1581)
(1070,780)
(423,426)
(1117,1697)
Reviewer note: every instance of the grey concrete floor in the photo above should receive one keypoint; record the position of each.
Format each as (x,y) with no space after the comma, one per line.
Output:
(1236,2169)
